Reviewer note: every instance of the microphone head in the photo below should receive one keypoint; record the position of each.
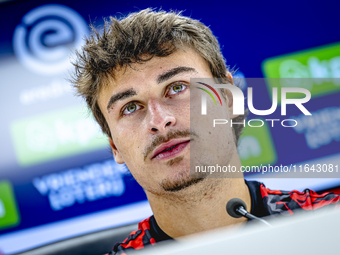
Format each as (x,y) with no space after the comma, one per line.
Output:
(233,204)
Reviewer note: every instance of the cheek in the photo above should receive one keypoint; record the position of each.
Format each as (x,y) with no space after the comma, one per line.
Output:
(127,139)
(181,110)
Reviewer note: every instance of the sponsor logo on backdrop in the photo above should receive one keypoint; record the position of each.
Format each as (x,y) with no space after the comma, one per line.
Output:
(317,70)
(56,135)
(80,185)
(44,39)
(9,213)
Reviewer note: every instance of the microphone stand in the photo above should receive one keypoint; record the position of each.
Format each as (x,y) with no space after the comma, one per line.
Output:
(250,216)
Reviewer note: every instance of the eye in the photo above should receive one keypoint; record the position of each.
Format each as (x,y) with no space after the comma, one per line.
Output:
(130,108)
(176,88)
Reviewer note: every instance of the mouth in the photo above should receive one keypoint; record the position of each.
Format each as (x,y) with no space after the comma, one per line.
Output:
(170,149)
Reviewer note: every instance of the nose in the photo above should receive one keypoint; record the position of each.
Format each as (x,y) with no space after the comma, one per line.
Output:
(161,118)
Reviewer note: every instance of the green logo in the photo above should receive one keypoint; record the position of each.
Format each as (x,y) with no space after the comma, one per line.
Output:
(9,215)
(315,69)
(56,135)
(256,146)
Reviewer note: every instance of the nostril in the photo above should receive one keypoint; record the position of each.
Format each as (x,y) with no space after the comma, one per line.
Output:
(154,129)
(167,124)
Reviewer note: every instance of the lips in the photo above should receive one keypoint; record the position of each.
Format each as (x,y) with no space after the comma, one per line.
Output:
(170,149)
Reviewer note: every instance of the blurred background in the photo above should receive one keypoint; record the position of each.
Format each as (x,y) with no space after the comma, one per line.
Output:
(58,179)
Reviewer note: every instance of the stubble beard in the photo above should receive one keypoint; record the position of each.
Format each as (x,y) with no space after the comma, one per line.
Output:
(183,181)
(173,186)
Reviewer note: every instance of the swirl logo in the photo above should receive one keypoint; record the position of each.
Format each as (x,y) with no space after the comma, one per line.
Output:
(44,39)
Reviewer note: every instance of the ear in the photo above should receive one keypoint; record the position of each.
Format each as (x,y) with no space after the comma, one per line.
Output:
(116,154)
(229,97)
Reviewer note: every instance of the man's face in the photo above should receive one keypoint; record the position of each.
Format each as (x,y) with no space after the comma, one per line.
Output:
(147,107)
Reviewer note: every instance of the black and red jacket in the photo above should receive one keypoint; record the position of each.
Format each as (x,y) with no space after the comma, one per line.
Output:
(264,201)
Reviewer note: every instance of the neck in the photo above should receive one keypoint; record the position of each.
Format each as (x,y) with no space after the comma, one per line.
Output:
(198,208)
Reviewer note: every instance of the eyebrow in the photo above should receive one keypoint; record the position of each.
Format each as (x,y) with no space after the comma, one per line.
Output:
(172,72)
(161,78)
(120,96)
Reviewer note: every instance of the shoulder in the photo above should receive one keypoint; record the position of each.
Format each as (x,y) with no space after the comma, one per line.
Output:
(137,239)
(279,201)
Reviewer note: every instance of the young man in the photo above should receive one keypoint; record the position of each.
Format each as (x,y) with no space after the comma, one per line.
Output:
(135,77)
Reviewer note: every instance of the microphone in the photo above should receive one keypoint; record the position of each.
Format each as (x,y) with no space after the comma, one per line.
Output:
(237,208)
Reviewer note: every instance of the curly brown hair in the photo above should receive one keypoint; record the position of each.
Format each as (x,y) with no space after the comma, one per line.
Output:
(150,33)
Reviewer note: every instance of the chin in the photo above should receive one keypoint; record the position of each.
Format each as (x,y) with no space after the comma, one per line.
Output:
(179,180)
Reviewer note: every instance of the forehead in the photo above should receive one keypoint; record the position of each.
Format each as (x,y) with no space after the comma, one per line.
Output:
(145,74)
